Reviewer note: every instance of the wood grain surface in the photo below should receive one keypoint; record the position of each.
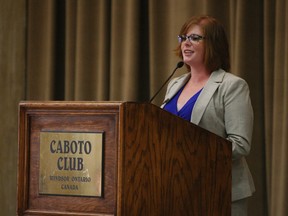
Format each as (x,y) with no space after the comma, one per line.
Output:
(154,163)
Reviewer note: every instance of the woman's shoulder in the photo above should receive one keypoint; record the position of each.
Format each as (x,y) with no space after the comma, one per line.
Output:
(182,77)
(231,82)
(179,79)
(228,77)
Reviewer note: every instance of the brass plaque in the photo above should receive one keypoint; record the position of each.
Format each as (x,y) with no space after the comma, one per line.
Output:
(71,163)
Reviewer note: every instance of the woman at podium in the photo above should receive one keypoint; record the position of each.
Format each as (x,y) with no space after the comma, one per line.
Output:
(211,97)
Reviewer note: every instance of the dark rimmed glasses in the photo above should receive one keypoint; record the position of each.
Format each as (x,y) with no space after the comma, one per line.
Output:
(192,38)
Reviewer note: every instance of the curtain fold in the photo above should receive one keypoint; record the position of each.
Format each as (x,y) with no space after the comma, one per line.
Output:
(125,49)
(12,90)
(276,68)
(91,67)
(41,48)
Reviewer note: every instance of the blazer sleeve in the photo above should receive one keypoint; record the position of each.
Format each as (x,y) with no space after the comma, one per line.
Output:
(238,117)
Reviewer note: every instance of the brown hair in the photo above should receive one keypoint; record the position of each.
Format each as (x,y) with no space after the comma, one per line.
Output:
(216,53)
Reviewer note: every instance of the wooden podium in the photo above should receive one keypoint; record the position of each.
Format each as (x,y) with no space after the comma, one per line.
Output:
(153,163)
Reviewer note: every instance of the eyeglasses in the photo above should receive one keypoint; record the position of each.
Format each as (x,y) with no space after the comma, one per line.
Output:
(192,38)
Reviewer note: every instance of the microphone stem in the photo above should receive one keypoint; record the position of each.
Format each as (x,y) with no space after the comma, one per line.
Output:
(164,84)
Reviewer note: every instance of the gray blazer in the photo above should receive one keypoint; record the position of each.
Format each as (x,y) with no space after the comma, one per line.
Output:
(224,108)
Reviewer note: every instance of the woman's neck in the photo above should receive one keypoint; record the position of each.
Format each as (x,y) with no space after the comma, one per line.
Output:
(199,74)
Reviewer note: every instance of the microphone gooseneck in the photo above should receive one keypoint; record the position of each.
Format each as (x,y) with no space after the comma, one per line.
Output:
(179,65)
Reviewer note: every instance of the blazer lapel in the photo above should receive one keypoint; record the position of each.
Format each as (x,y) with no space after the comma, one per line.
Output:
(205,96)
(176,86)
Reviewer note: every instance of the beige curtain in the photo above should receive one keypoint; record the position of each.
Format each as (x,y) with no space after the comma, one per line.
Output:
(12,81)
(276,103)
(123,50)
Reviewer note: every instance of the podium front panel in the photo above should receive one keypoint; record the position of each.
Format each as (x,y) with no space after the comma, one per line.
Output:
(73,118)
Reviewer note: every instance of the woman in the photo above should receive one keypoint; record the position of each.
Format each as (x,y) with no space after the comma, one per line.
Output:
(214,99)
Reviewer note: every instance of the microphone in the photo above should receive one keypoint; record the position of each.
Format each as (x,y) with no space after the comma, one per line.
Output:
(179,65)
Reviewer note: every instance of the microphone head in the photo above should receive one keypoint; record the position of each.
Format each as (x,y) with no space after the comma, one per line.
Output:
(180,64)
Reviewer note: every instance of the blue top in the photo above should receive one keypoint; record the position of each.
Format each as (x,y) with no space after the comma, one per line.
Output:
(186,111)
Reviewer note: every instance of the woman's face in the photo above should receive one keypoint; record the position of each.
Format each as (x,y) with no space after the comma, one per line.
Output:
(193,49)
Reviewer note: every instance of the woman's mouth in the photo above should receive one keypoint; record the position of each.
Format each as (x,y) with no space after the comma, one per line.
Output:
(188,52)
